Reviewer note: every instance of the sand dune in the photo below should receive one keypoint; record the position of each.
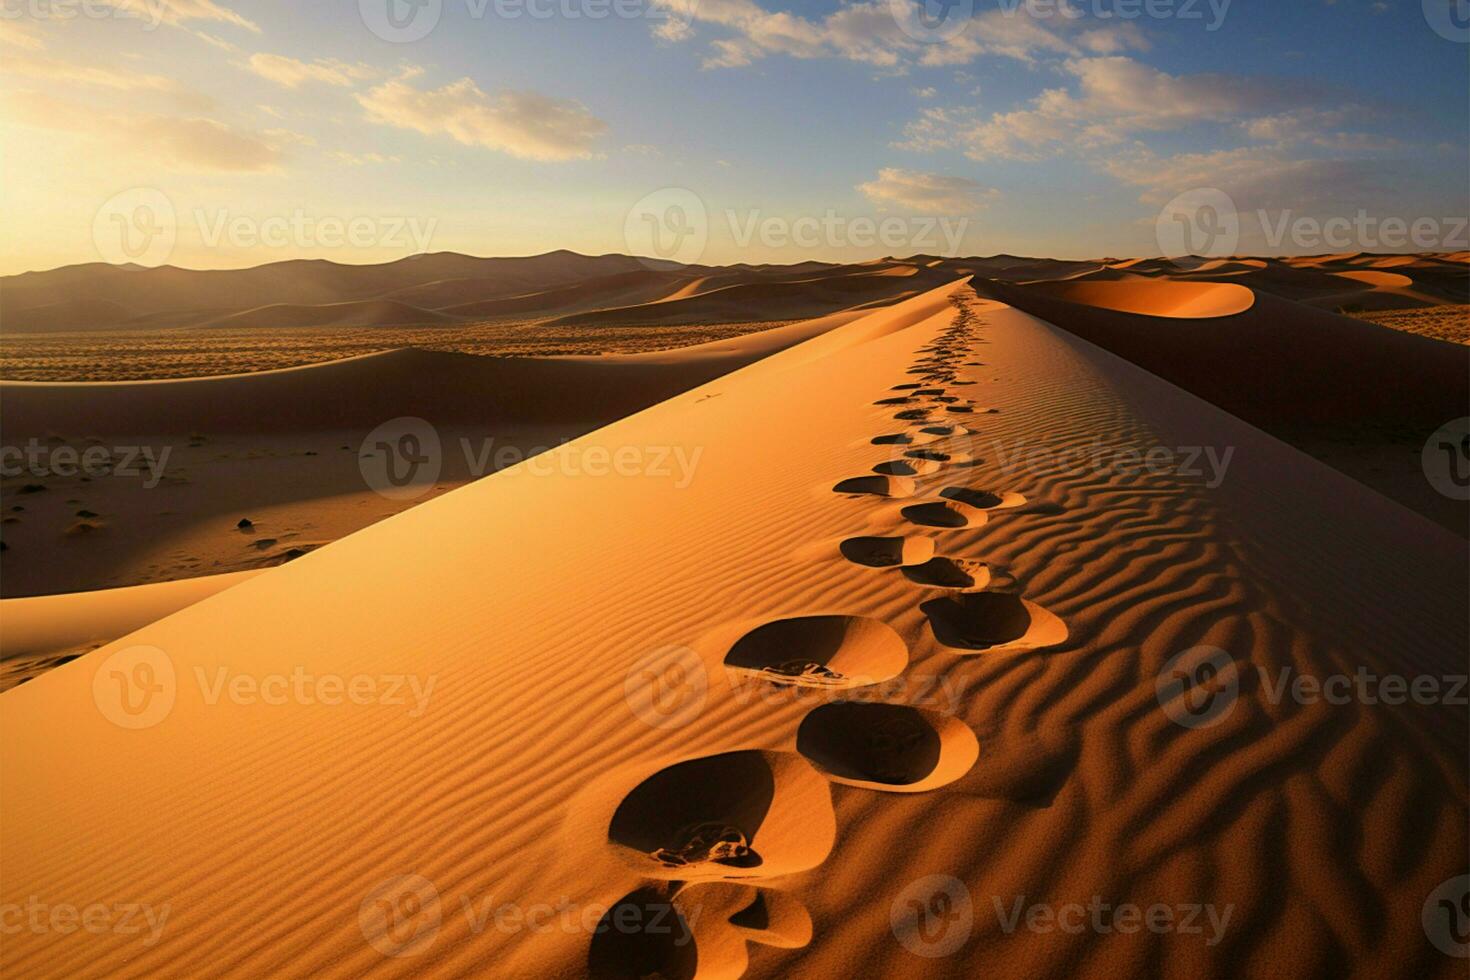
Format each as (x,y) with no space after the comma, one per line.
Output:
(25,298)
(1362,397)
(639,286)
(362,313)
(1156,298)
(530,763)
(774,299)
(45,632)
(281,448)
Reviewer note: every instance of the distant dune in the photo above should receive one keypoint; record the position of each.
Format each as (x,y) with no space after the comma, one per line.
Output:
(362,313)
(567,289)
(776,300)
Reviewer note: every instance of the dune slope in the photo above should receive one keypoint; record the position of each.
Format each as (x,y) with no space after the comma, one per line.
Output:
(538,753)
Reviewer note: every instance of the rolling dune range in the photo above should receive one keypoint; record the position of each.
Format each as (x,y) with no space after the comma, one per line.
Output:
(1016,654)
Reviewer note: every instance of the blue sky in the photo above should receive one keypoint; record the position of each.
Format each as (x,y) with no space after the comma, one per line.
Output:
(1026,130)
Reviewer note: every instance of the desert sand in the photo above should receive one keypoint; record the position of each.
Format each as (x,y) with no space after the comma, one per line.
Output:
(915,614)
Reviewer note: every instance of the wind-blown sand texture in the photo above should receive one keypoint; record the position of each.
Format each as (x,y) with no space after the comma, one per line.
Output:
(868,717)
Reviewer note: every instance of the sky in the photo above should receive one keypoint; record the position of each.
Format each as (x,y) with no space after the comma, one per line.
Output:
(228,133)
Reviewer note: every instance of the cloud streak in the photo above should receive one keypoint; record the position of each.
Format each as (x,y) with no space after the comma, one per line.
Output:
(925,192)
(523,124)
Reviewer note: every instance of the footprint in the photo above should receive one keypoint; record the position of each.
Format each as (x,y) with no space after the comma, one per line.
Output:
(904,439)
(901,400)
(895,439)
(907,467)
(877,486)
(887,552)
(945,431)
(699,930)
(913,415)
(983,499)
(938,456)
(992,621)
(890,747)
(729,817)
(944,514)
(960,574)
(820,651)
(644,934)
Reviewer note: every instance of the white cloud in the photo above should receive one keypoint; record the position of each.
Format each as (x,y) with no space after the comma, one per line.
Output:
(19,34)
(187,142)
(177,12)
(1114,98)
(929,193)
(523,124)
(1255,177)
(291,72)
(26,65)
(867,32)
